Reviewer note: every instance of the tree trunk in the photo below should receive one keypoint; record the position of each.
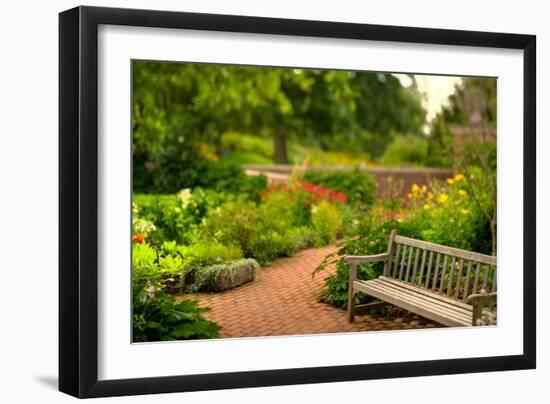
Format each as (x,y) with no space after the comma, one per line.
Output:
(279,147)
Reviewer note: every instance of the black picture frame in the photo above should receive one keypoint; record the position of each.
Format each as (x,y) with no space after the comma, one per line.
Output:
(78,200)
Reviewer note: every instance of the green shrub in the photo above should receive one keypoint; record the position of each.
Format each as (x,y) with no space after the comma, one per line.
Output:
(326,221)
(406,151)
(373,239)
(157,316)
(150,263)
(165,211)
(448,214)
(230,178)
(175,216)
(248,149)
(301,237)
(350,219)
(267,245)
(205,253)
(233,223)
(282,209)
(358,185)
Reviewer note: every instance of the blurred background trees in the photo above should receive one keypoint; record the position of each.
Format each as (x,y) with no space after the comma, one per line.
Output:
(181,112)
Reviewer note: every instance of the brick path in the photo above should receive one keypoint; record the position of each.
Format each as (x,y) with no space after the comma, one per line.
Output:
(283,301)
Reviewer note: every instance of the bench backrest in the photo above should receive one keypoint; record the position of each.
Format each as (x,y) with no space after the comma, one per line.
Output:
(451,271)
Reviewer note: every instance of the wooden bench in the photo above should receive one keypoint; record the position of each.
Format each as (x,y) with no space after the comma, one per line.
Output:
(444,284)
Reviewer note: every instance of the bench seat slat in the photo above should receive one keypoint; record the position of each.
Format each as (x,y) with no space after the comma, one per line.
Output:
(432,300)
(426,307)
(426,292)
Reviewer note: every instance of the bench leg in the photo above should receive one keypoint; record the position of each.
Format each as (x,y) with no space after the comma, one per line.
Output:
(351,293)
(351,306)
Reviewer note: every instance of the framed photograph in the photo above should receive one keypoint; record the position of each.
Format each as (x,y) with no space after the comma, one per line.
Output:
(250,201)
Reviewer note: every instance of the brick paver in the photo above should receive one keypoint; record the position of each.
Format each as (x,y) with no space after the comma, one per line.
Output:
(283,300)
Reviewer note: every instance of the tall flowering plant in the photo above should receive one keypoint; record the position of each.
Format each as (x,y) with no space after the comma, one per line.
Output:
(446,213)
(140,227)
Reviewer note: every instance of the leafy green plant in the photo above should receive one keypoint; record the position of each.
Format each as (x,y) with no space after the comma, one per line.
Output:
(372,239)
(157,316)
(230,178)
(233,223)
(327,222)
(151,263)
(268,245)
(406,151)
(204,253)
(446,213)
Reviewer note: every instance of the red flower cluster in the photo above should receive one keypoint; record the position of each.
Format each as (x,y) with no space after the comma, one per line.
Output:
(316,192)
(138,238)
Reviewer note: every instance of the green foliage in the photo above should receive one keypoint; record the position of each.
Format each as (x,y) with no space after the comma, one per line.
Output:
(205,253)
(151,263)
(358,185)
(157,316)
(406,151)
(181,111)
(176,217)
(167,213)
(241,149)
(173,264)
(230,178)
(282,209)
(246,149)
(233,223)
(474,95)
(144,261)
(480,154)
(279,226)
(326,221)
(440,144)
(448,214)
(372,239)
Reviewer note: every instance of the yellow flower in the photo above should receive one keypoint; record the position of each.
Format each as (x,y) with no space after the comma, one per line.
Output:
(426,206)
(400,220)
(443,198)
(464,211)
(415,188)
(424,188)
(461,192)
(409,195)
(459,177)
(430,196)
(450,181)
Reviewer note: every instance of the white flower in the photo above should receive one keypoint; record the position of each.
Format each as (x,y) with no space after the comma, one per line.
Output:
(185,197)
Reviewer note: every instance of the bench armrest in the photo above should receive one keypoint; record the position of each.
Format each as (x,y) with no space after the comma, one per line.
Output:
(362,259)
(482,299)
(479,301)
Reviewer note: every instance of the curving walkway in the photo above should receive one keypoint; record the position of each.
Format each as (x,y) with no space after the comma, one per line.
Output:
(283,300)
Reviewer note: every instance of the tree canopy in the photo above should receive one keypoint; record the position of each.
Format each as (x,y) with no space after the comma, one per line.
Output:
(179,107)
